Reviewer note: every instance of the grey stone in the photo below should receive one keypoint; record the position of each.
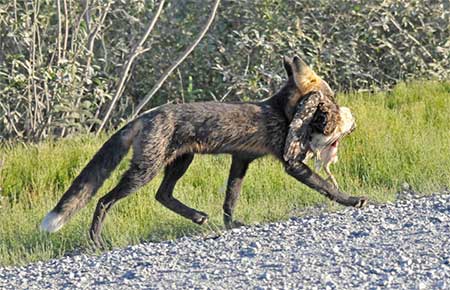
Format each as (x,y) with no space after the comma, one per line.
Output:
(377,247)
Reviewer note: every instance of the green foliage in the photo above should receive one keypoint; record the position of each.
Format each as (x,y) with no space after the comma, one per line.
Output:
(402,136)
(53,87)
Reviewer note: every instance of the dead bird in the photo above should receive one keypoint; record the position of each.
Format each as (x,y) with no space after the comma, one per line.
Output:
(316,130)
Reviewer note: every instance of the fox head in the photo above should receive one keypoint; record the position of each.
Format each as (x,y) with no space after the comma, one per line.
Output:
(329,122)
(302,81)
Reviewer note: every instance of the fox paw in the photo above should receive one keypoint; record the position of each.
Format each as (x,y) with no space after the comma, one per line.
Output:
(97,242)
(200,218)
(230,223)
(235,224)
(361,202)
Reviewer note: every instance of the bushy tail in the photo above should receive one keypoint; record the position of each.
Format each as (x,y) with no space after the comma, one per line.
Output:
(91,177)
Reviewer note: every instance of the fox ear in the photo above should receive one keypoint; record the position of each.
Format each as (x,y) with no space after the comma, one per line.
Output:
(287,66)
(305,78)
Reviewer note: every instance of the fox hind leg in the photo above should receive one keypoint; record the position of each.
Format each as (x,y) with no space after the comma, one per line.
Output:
(173,172)
(133,179)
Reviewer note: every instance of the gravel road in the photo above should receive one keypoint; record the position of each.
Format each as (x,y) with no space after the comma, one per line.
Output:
(404,245)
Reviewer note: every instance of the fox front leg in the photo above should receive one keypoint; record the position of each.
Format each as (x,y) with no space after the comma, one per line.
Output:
(237,173)
(304,174)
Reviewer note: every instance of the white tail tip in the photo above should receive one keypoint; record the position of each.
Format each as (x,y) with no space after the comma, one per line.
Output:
(52,222)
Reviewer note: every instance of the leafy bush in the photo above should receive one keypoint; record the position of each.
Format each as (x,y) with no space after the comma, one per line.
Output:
(59,66)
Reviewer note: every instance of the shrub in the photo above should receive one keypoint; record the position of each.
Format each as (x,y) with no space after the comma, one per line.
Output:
(59,66)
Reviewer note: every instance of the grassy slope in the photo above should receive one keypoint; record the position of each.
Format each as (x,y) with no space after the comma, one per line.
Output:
(401,136)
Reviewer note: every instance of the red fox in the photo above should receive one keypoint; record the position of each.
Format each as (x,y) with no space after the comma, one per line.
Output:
(169,136)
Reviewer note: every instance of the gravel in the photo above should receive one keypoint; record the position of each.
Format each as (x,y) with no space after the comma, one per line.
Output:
(404,245)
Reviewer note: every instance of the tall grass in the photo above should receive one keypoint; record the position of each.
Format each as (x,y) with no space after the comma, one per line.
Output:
(402,136)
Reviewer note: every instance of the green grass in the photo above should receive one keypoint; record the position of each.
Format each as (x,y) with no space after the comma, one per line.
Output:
(402,136)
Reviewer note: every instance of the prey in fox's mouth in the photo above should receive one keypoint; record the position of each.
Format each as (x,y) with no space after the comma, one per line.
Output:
(324,149)
(317,128)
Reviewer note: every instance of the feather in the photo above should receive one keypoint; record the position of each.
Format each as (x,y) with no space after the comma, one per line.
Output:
(315,113)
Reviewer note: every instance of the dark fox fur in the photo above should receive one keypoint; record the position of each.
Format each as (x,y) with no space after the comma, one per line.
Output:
(169,136)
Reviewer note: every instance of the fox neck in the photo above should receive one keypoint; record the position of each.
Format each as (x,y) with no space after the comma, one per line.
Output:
(285,100)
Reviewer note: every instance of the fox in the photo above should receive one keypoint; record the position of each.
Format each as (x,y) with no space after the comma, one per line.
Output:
(168,137)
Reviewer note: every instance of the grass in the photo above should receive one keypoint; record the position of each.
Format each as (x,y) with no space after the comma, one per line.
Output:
(402,136)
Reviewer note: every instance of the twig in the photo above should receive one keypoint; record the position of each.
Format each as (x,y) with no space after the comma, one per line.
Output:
(137,50)
(391,18)
(226,94)
(185,54)
(66,29)
(77,27)
(91,39)
(58,36)
(181,85)
(11,120)
(35,29)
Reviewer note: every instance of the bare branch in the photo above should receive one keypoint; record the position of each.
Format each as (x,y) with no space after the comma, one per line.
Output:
(185,54)
(78,24)
(34,99)
(92,37)
(66,29)
(136,50)
(58,37)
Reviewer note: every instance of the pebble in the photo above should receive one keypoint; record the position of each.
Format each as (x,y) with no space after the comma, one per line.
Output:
(401,245)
